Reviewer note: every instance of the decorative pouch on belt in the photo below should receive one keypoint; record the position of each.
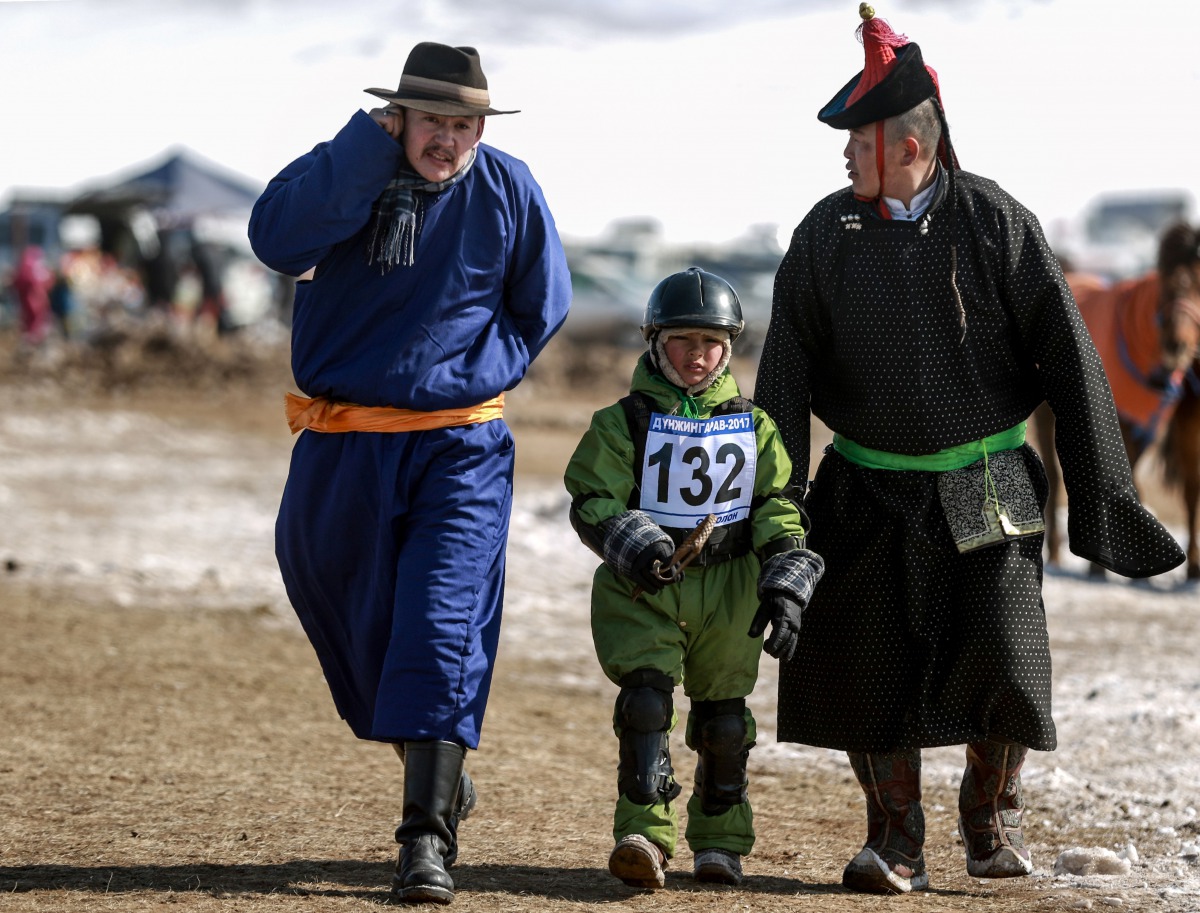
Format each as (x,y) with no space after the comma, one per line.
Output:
(991,500)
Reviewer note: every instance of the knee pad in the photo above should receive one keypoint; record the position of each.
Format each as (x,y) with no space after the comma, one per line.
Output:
(644,712)
(719,733)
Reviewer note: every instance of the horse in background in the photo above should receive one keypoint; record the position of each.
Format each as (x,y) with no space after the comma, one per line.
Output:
(1147,332)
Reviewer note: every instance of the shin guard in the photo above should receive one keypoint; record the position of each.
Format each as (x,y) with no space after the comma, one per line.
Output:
(644,714)
(719,734)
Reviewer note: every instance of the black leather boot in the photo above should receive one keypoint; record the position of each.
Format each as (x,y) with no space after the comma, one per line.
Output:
(433,784)
(463,804)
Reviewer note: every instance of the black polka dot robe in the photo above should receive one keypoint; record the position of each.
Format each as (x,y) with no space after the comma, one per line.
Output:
(908,643)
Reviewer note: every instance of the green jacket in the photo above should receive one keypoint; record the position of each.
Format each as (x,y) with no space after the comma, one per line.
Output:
(601,475)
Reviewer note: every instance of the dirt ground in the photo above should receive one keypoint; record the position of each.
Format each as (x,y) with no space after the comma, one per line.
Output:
(189,753)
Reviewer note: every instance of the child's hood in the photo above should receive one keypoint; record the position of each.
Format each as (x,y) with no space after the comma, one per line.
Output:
(664,393)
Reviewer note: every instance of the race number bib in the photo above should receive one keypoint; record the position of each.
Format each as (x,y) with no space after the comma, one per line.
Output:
(695,467)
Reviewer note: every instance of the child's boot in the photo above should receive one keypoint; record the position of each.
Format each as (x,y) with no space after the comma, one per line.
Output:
(717,866)
(638,862)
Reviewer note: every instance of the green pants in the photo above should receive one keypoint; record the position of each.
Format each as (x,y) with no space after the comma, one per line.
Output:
(695,633)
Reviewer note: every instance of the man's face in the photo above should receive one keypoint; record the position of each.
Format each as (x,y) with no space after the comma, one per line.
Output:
(860,161)
(437,145)
(863,167)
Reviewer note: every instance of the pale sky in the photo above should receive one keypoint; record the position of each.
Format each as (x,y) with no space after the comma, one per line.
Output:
(698,113)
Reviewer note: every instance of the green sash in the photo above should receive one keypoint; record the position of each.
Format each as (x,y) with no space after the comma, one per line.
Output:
(943,461)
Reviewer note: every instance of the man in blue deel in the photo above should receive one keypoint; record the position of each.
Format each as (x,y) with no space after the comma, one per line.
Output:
(431,275)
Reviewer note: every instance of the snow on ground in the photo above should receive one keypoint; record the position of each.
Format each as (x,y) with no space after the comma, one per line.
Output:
(130,508)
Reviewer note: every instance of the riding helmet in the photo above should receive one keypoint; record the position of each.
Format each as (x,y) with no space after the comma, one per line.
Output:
(693,298)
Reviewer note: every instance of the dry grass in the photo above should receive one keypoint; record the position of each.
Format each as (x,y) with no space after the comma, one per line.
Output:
(194,758)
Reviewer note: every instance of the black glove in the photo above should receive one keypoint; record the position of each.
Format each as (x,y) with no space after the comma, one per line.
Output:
(642,571)
(784,614)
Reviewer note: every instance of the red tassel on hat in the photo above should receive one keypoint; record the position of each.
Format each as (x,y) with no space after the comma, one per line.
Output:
(879,45)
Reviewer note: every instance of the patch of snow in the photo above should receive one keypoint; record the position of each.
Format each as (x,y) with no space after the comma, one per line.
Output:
(1090,861)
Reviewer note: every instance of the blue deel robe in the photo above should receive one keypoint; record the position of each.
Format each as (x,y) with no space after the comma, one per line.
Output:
(391,545)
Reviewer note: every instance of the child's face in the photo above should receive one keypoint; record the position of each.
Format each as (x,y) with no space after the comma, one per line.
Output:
(693,354)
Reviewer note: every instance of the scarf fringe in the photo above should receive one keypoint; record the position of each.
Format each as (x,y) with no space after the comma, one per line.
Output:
(398,214)
(396,244)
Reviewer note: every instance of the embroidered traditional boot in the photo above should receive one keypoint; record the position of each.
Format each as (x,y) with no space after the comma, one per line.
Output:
(990,806)
(892,861)
(433,788)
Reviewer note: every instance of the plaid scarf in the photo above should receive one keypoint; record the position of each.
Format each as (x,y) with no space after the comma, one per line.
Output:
(396,216)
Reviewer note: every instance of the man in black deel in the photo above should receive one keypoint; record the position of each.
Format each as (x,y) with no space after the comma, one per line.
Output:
(921,315)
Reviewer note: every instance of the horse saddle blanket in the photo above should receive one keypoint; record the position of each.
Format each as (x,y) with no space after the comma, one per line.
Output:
(1123,322)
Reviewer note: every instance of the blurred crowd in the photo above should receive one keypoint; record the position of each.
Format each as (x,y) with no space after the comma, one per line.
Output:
(80,294)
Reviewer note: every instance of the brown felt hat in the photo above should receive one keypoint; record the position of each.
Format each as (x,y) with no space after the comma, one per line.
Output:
(442,80)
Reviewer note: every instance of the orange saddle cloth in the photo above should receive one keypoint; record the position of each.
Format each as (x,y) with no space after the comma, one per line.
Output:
(1123,322)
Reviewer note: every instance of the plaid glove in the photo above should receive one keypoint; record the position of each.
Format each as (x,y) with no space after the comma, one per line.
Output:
(632,543)
(785,585)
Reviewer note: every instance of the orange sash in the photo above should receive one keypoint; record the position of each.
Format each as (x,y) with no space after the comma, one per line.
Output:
(321,414)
